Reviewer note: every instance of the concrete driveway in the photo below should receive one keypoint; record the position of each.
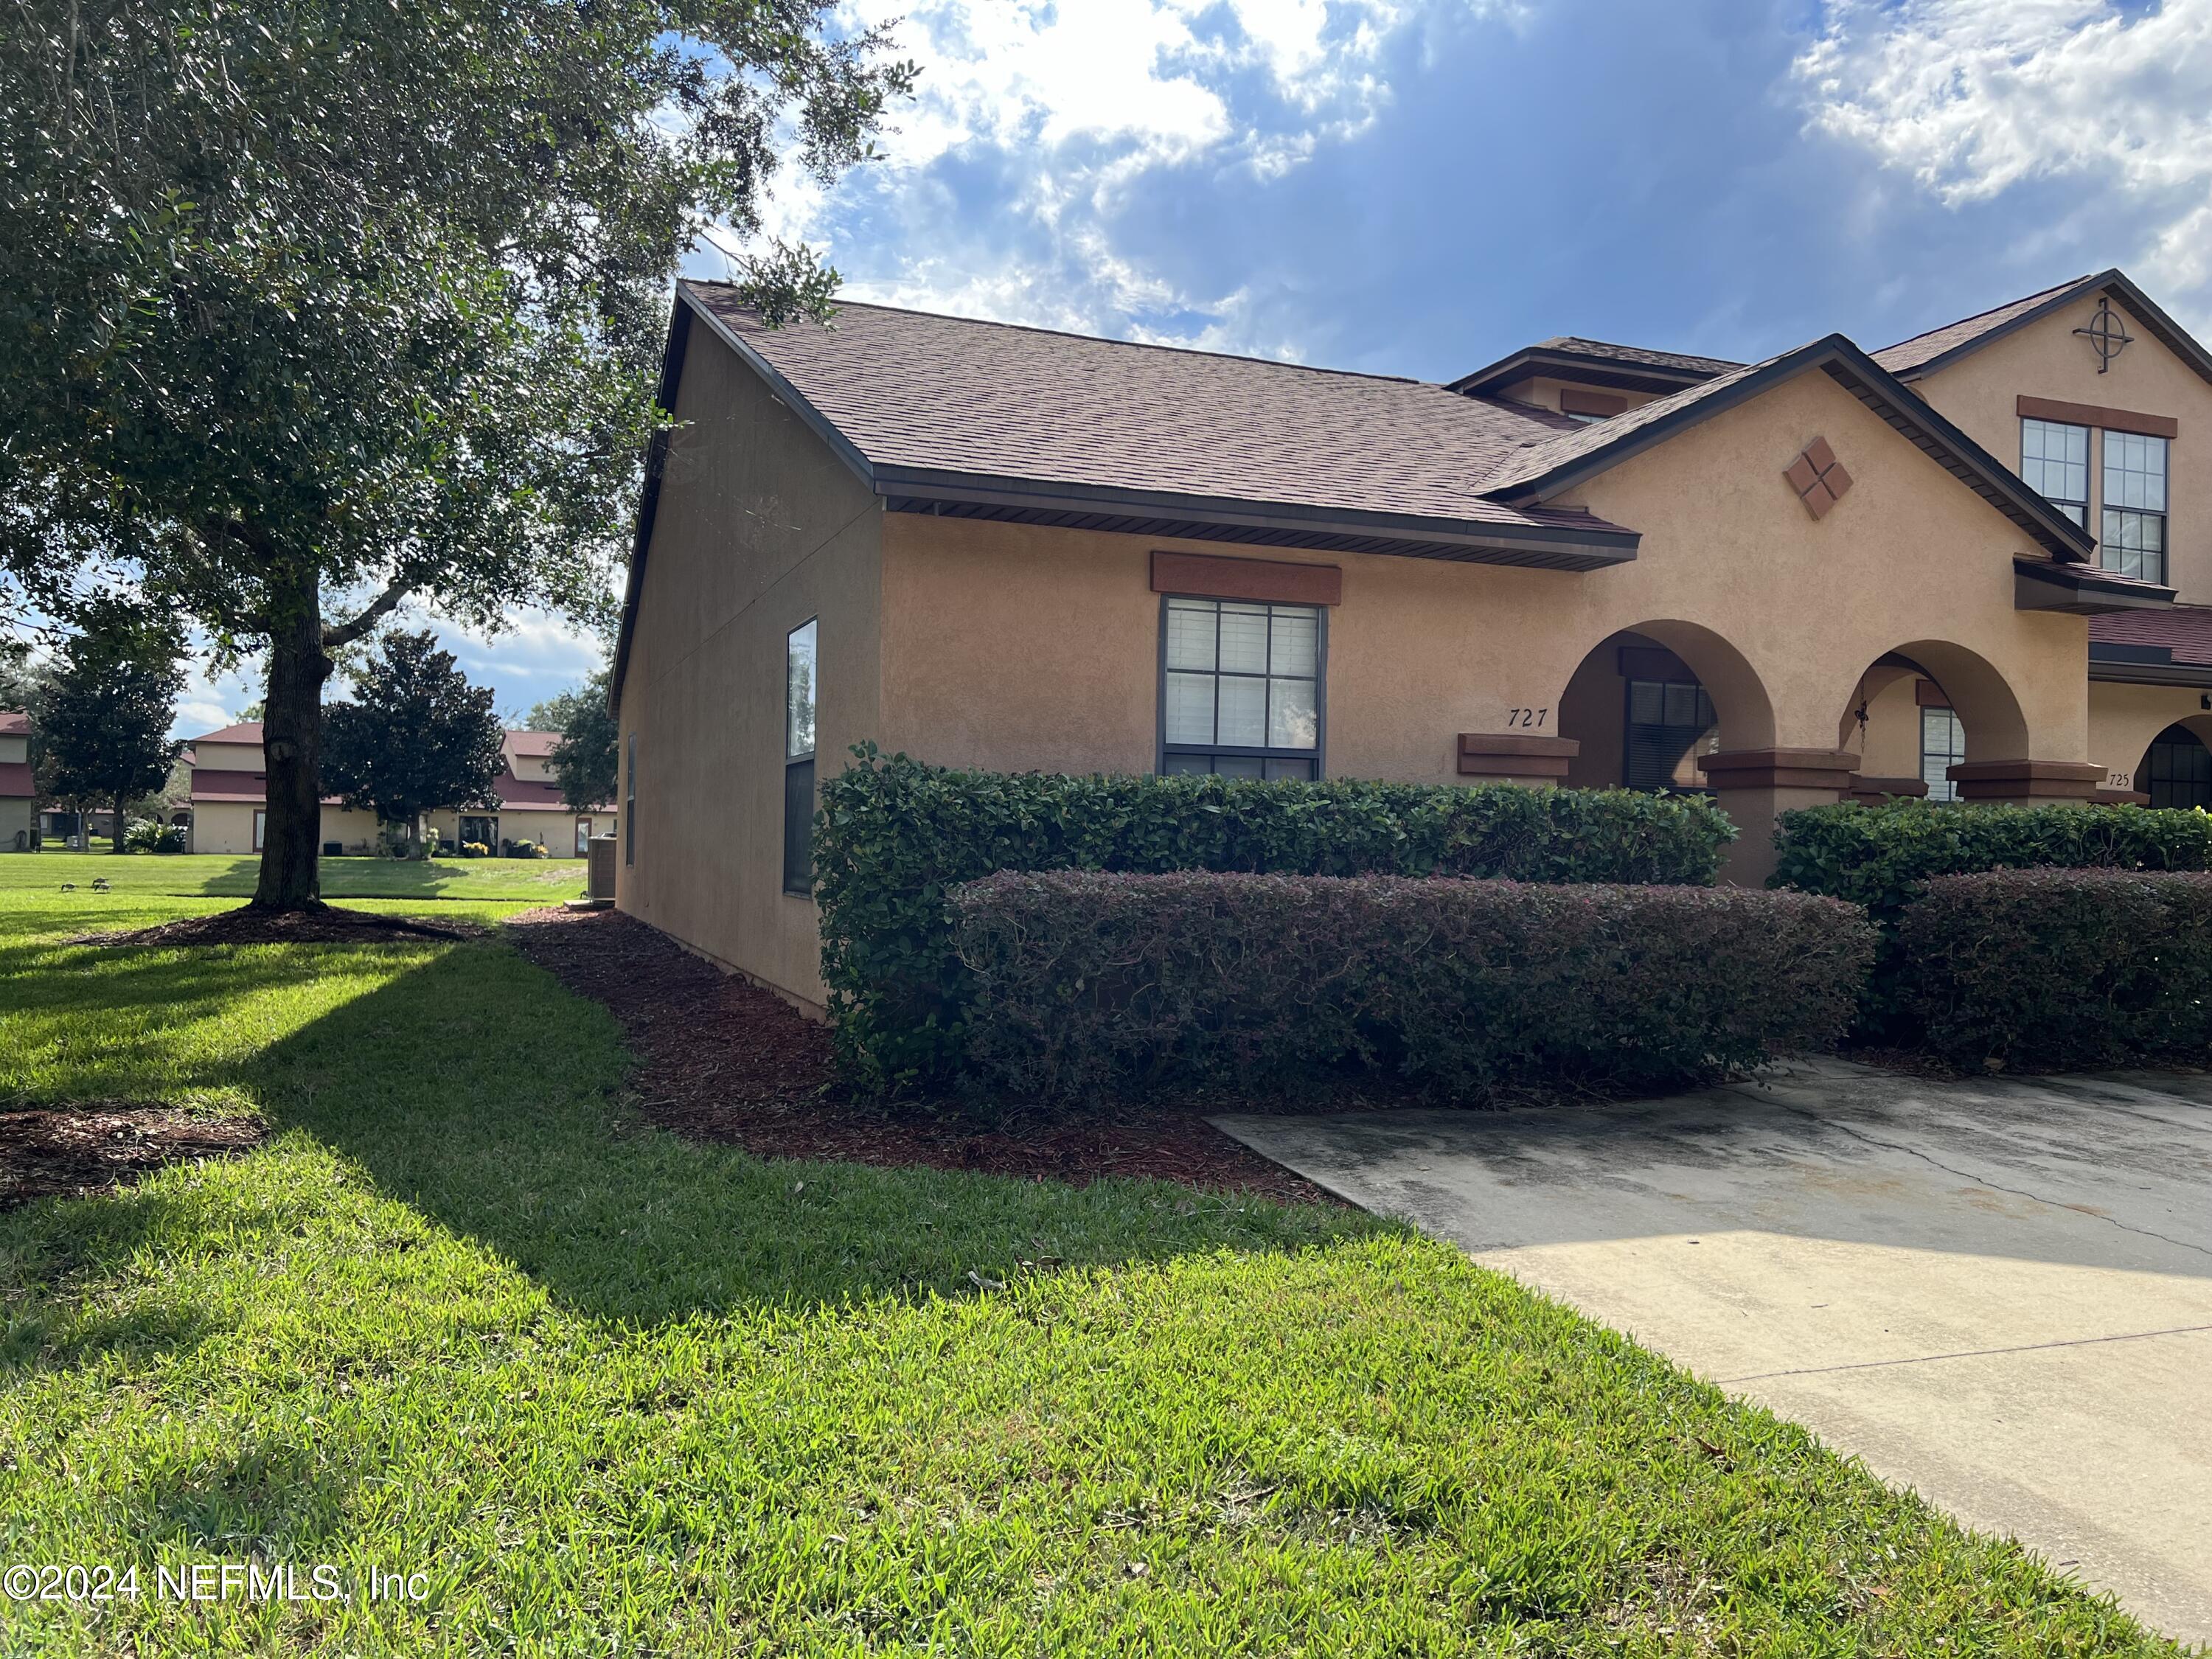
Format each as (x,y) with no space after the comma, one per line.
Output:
(1997,1294)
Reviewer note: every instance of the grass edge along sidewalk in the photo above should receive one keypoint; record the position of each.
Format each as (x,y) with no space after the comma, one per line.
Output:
(464,1315)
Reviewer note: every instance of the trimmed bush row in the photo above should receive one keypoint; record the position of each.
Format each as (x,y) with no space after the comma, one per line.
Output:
(895,836)
(2057,969)
(1086,982)
(1880,856)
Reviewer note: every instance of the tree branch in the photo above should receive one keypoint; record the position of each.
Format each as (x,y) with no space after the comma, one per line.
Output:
(337,634)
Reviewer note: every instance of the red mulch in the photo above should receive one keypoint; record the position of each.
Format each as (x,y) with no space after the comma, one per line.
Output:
(323,925)
(720,1059)
(75,1151)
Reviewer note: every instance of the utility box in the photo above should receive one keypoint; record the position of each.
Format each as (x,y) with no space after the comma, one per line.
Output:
(600,857)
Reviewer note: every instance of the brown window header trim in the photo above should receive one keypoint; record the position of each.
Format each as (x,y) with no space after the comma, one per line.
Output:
(1573,400)
(1208,576)
(2113,420)
(1929,694)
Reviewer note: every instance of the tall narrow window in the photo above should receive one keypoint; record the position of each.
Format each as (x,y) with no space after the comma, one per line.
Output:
(1942,746)
(1669,723)
(1241,690)
(630,800)
(260,829)
(2054,459)
(2135,506)
(798,691)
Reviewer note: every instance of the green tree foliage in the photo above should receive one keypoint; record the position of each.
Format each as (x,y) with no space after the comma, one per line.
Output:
(416,735)
(103,714)
(313,308)
(586,761)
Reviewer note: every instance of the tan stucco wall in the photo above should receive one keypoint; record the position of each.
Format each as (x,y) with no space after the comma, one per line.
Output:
(228,757)
(2124,719)
(2047,359)
(227,827)
(1019,647)
(760,527)
(15,747)
(19,815)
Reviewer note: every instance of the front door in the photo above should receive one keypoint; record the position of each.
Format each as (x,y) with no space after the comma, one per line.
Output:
(484,831)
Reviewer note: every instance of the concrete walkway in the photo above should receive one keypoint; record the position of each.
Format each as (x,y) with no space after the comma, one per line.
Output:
(1997,1294)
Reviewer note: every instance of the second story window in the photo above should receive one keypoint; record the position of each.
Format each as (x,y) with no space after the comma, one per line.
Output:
(2134,539)
(798,690)
(2054,459)
(1241,688)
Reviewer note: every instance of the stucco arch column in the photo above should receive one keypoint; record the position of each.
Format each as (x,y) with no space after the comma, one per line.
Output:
(2021,750)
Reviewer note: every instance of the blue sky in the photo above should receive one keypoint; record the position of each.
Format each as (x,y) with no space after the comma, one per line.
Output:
(1417,188)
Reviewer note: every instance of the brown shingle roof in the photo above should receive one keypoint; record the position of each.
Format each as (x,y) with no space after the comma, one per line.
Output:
(536,744)
(1534,461)
(245,732)
(910,389)
(1908,355)
(14,723)
(1626,354)
(2186,630)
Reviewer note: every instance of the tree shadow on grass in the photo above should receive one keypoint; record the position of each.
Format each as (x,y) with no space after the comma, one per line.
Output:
(477,1091)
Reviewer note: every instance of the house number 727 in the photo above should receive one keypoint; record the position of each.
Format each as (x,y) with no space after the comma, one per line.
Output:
(1525,716)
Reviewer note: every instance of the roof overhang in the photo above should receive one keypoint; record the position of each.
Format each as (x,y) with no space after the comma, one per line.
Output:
(2078,590)
(1584,368)
(1901,408)
(2116,282)
(2144,664)
(1571,541)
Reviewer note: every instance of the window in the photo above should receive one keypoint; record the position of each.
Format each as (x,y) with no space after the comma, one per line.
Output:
(2180,772)
(2135,505)
(1668,720)
(485,832)
(1241,688)
(260,827)
(799,760)
(1942,745)
(630,799)
(2054,459)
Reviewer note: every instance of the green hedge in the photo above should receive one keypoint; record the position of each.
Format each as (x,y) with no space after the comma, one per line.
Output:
(1088,983)
(894,836)
(1881,856)
(2053,970)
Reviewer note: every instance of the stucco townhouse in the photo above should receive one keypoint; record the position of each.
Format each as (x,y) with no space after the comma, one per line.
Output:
(1976,564)
(19,794)
(229,813)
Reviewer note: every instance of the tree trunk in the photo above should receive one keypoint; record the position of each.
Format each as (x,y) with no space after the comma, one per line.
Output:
(292,750)
(115,845)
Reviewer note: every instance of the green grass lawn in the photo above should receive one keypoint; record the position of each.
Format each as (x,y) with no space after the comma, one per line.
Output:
(539,881)
(611,1392)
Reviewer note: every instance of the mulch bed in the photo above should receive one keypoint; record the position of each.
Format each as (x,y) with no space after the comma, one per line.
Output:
(325,925)
(75,1151)
(720,1059)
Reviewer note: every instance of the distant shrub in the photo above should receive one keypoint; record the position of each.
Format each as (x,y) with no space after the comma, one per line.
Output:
(894,835)
(1086,982)
(474,849)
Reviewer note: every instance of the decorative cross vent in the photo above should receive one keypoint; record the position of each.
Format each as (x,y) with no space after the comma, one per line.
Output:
(1818,477)
(2108,335)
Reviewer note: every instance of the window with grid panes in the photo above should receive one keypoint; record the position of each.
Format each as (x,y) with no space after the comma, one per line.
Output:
(2180,772)
(1942,746)
(2054,459)
(1241,688)
(1669,723)
(2134,540)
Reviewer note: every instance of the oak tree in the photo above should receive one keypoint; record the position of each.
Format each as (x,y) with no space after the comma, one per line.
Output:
(310,309)
(416,736)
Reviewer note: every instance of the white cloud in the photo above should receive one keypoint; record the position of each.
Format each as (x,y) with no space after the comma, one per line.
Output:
(1974,98)
(1071,109)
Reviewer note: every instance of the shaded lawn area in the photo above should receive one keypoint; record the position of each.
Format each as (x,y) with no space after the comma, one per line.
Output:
(535,881)
(613,1390)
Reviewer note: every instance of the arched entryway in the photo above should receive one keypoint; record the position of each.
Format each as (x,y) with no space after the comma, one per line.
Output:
(1645,703)
(1923,709)
(2176,770)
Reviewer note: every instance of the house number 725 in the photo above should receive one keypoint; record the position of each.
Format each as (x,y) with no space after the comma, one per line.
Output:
(1525,716)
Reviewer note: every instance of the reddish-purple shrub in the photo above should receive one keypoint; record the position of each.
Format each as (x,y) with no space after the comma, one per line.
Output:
(2059,968)
(1087,982)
